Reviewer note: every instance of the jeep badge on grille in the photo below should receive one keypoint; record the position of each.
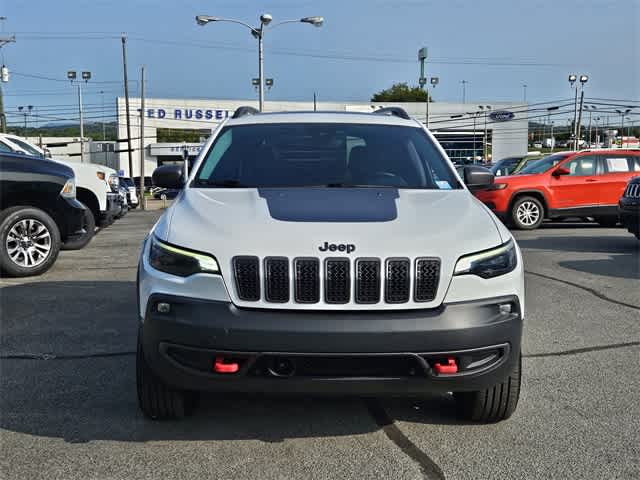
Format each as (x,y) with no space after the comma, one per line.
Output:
(337,247)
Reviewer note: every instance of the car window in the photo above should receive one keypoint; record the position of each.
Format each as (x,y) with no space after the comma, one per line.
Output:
(5,148)
(325,154)
(582,166)
(618,163)
(543,165)
(26,147)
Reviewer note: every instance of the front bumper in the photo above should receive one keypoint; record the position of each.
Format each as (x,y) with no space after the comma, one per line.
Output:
(629,210)
(341,352)
(114,205)
(69,217)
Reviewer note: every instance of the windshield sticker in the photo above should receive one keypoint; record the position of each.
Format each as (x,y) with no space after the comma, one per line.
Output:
(443,185)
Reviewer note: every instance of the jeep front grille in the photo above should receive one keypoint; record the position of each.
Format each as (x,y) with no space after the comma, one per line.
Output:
(370,279)
(247,275)
(632,190)
(307,280)
(427,278)
(337,280)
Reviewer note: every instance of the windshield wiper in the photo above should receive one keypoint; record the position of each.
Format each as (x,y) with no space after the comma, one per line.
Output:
(228,183)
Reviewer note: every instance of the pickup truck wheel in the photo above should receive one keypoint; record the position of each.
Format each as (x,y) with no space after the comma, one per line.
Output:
(157,400)
(29,241)
(608,222)
(493,404)
(89,225)
(527,213)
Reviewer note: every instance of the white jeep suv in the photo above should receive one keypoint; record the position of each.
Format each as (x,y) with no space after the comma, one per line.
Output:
(334,253)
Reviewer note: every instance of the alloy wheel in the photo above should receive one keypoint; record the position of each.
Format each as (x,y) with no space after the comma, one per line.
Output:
(28,243)
(528,213)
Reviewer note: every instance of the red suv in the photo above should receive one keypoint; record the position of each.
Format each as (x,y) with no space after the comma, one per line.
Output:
(567,184)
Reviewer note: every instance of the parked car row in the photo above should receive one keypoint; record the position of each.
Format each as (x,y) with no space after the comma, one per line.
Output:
(37,219)
(588,183)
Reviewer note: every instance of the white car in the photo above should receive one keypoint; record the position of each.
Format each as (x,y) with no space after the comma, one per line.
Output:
(132,196)
(335,253)
(97,187)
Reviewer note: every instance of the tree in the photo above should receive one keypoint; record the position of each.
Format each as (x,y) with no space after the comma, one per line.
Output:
(401,92)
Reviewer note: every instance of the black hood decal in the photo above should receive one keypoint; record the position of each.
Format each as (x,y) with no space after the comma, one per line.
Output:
(331,204)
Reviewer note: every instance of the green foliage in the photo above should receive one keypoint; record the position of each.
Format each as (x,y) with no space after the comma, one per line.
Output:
(91,130)
(172,135)
(401,92)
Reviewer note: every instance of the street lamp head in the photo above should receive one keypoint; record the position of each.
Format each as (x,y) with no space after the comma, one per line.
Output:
(434,81)
(627,111)
(30,107)
(20,108)
(481,107)
(71,75)
(86,76)
(315,21)
(204,19)
(488,107)
(584,79)
(266,18)
(572,79)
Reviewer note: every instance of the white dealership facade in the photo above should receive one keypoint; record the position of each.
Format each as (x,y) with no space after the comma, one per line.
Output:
(460,128)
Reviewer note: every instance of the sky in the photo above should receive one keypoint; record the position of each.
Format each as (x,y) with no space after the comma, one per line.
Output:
(497,46)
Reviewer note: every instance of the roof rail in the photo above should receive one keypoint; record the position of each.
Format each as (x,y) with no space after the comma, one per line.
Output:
(242,111)
(394,111)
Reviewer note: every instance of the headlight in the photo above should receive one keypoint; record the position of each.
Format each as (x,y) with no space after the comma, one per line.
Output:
(100,175)
(489,263)
(178,261)
(114,182)
(69,189)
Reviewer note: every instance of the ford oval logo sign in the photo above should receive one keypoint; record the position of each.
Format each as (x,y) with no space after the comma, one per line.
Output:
(501,116)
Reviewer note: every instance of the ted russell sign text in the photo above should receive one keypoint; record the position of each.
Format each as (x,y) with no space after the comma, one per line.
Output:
(187,113)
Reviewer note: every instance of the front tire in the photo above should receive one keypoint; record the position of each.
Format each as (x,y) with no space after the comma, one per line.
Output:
(29,241)
(157,400)
(90,230)
(493,404)
(527,213)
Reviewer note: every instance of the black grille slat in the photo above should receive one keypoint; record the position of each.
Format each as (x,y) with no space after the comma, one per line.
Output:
(337,280)
(307,280)
(276,279)
(427,278)
(247,276)
(397,281)
(367,281)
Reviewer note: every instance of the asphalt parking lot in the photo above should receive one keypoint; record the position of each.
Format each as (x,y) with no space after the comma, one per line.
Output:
(68,404)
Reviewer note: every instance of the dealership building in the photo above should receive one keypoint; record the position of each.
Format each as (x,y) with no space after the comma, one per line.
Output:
(461,129)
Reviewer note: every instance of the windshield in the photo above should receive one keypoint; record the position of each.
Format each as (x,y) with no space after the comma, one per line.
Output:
(544,164)
(26,147)
(504,166)
(126,181)
(324,154)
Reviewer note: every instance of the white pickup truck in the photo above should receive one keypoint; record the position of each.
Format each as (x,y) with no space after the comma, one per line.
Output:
(97,188)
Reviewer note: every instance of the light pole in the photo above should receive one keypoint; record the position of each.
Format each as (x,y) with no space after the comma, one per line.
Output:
(25,111)
(622,115)
(576,119)
(587,108)
(485,109)
(258,33)
(464,90)
(433,81)
(524,94)
(475,117)
(597,120)
(72,76)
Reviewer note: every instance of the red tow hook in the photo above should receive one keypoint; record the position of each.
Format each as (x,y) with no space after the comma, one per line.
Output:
(219,366)
(450,367)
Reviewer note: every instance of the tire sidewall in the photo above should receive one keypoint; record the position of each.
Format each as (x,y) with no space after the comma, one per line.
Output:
(514,217)
(8,219)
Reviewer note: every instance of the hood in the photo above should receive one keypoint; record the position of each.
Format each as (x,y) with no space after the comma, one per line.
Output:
(379,222)
(522,178)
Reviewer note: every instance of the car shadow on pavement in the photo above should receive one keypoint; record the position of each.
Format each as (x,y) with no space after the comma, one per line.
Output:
(67,370)
(623,260)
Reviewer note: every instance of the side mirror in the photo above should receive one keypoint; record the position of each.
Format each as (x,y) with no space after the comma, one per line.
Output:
(169,176)
(561,171)
(477,178)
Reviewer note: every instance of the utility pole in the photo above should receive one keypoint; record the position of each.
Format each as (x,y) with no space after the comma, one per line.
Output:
(464,91)
(143,201)
(553,141)
(126,102)
(81,122)
(4,78)
(524,95)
